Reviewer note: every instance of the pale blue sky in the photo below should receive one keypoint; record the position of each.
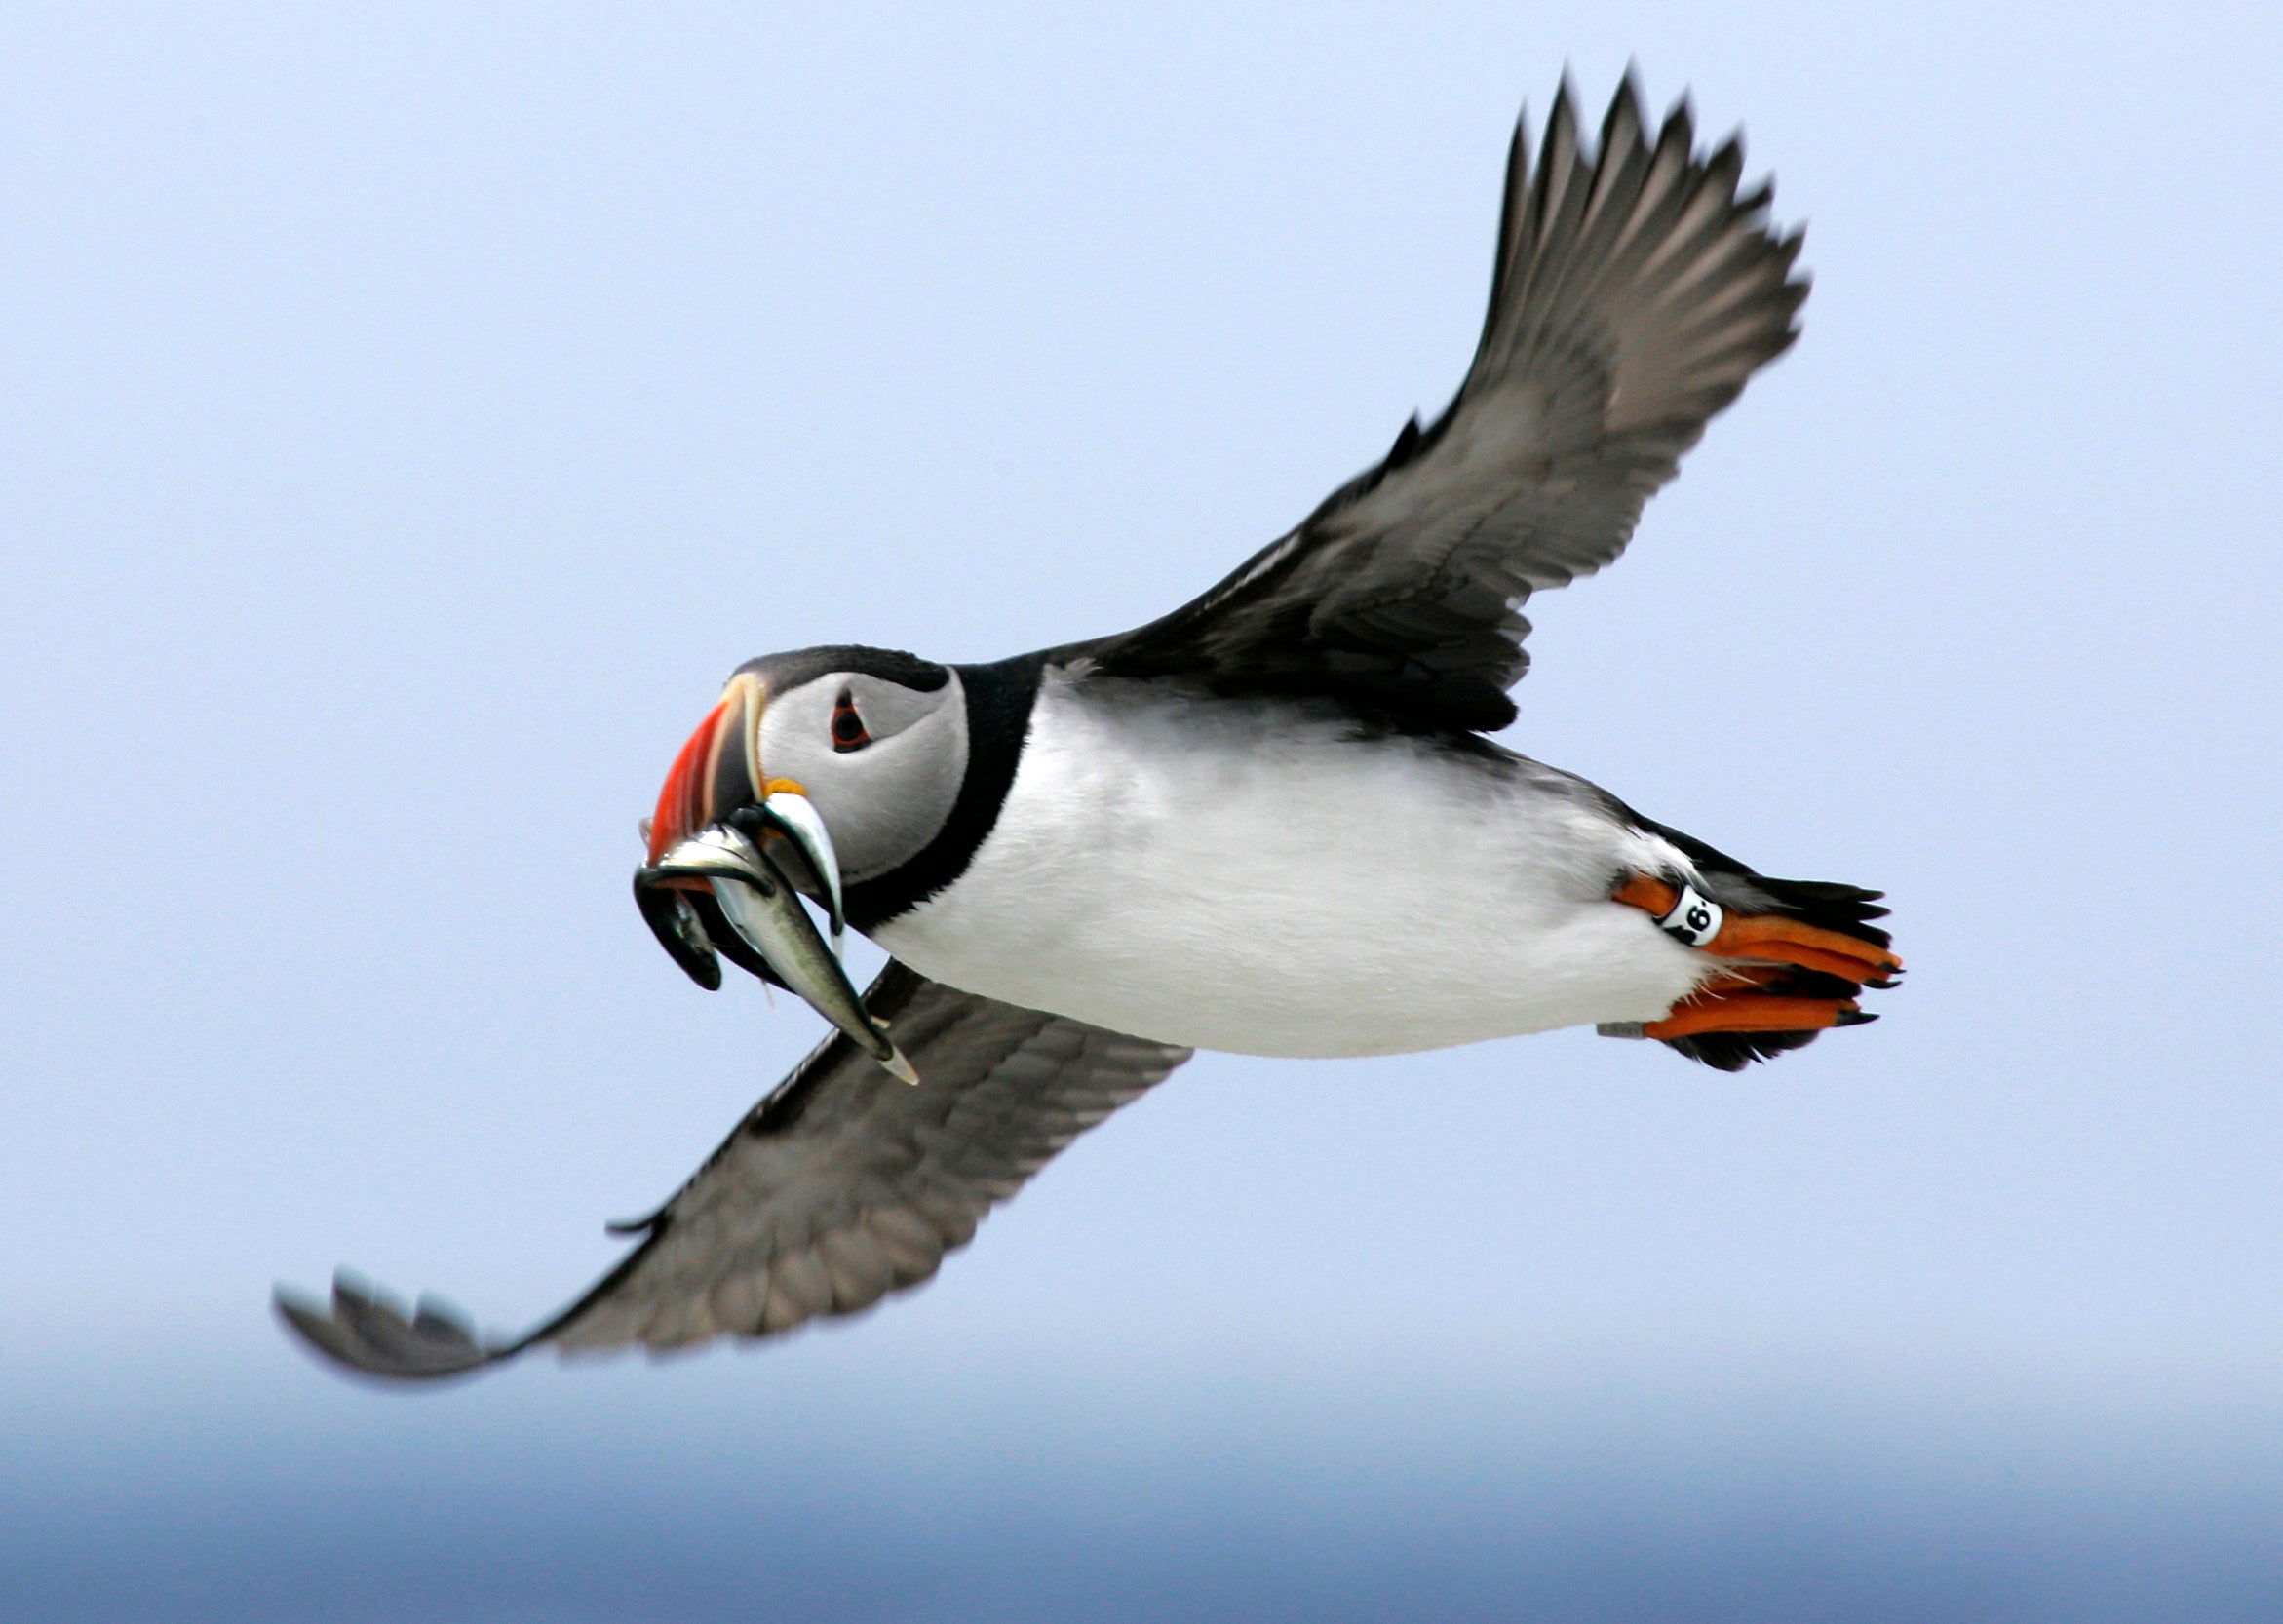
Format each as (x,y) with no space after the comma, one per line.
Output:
(408,415)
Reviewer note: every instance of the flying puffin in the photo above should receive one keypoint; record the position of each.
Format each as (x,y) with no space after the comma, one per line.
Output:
(1269,821)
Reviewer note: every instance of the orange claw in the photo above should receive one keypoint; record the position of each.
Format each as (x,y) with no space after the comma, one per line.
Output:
(1772,936)
(1815,958)
(1749,1012)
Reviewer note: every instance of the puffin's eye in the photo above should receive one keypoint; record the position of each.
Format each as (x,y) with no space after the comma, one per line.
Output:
(848,730)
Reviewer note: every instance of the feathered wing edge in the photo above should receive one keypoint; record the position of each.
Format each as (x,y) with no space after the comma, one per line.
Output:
(1647,224)
(1033,1081)
(1633,292)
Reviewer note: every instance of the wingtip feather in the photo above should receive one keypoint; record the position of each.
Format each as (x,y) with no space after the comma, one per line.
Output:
(364,1332)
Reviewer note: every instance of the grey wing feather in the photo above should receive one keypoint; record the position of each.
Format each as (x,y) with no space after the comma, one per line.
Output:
(1636,290)
(367,1331)
(840,1187)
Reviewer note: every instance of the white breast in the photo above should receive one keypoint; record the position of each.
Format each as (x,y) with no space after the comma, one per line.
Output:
(1256,877)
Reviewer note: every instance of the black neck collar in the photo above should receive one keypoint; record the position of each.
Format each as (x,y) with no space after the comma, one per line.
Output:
(999,698)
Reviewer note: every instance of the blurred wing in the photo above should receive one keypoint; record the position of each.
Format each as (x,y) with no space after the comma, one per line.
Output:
(1634,294)
(841,1187)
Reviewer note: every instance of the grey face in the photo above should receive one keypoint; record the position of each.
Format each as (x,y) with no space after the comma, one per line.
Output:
(880,759)
(876,741)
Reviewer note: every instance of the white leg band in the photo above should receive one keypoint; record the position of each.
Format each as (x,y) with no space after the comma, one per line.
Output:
(1695,918)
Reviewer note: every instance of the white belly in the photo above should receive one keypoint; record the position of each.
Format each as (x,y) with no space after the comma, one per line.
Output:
(1232,877)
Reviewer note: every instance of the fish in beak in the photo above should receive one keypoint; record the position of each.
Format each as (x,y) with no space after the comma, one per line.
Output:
(730,853)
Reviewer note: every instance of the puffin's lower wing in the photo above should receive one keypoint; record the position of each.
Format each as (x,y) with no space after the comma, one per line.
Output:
(841,1187)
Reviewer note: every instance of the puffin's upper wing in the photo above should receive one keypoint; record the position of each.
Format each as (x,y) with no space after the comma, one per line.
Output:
(841,1187)
(1635,293)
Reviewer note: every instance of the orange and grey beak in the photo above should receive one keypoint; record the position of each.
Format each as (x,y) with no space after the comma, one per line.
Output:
(717,782)
(730,853)
(719,771)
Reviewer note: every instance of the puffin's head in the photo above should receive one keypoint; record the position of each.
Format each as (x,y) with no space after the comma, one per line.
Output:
(874,740)
(825,767)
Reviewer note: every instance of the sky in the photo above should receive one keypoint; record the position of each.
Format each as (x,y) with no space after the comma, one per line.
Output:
(408,415)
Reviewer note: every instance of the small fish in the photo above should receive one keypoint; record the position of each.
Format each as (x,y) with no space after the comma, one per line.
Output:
(673,920)
(790,815)
(793,840)
(762,908)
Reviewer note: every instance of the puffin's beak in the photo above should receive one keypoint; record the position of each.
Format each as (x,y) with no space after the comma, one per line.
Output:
(727,849)
(716,772)
(718,780)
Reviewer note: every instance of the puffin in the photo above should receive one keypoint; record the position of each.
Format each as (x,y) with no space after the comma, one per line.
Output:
(1272,821)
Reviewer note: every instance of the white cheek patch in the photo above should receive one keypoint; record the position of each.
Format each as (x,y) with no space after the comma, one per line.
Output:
(889,708)
(884,801)
(1695,918)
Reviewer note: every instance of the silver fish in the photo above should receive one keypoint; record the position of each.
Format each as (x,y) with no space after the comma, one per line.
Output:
(791,816)
(764,908)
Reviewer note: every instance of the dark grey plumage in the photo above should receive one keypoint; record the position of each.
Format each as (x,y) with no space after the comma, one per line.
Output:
(1635,293)
(841,1187)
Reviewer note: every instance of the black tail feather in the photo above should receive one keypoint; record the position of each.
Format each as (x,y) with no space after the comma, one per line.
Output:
(1826,904)
(1735,1051)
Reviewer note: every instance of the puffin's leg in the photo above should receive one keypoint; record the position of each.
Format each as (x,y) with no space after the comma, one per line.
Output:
(1767,938)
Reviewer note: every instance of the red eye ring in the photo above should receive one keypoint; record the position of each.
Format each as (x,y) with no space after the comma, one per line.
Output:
(848,727)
